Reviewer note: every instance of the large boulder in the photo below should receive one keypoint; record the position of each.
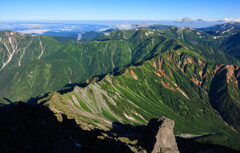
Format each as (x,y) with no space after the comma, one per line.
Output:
(159,136)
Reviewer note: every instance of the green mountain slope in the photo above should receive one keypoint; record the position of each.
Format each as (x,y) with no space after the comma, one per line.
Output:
(190,36)
(200,42)
(76,61)
(222,37)
(225,39)
(49,65)
(228,37)
(173,84)
(232,45)
(224,94)
(18,49)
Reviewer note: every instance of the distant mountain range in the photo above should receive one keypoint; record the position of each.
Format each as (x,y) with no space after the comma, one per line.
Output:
(224,26)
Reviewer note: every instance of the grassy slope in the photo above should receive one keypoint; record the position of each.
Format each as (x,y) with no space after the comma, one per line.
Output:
(232,45)
(27,48)
(226,40)
(62,64)
(157,87)
(73,63)
(228,36)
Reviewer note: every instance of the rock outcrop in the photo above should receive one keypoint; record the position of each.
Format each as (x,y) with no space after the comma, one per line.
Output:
(159,136)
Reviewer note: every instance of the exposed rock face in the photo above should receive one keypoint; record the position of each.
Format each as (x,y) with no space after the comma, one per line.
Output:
(159,136)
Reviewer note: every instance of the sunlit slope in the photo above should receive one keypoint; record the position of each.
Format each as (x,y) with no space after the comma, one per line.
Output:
(174,84)
(49,65)
(18,49)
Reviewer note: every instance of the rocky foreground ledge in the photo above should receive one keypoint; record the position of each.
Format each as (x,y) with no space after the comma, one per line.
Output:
(27,128)
(159,136)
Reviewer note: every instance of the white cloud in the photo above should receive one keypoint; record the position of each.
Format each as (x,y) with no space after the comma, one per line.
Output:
(103,29)
(125,26)
(232,20)
(66,29)
(37,31)
(185,20)
(36,26)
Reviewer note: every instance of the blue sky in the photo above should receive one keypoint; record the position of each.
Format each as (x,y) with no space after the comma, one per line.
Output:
(118,9)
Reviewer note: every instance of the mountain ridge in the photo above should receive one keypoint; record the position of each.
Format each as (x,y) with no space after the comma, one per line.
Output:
(129,77)
(59,104)
(80,60)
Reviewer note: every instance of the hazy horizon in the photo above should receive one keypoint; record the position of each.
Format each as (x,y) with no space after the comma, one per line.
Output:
(192,24)
(16,14)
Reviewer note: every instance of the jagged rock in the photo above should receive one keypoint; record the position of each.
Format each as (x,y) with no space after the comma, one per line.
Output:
(159,136)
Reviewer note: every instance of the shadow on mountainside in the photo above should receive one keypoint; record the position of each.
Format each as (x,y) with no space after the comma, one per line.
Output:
(222,101)
(190,145)
(30,127)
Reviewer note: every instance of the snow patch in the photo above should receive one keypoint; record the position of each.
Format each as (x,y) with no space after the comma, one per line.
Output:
(79,37)
(106,33)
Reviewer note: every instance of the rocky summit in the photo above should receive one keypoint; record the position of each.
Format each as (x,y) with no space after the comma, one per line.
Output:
(159,136)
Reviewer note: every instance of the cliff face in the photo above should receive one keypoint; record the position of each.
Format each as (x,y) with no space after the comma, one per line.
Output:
(159,136)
